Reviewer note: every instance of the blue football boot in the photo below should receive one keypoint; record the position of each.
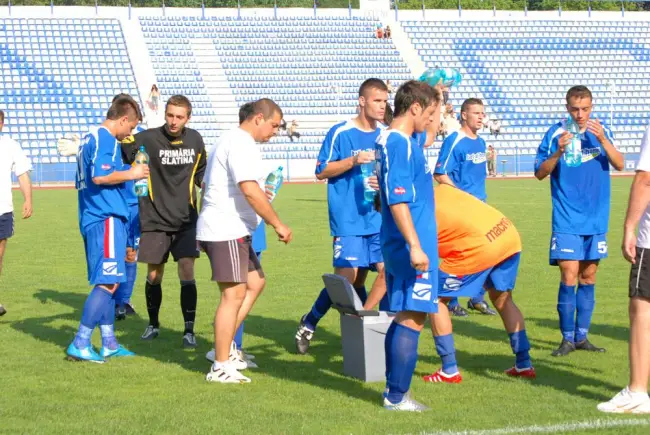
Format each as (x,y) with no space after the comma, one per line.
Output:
(86,354)
(121,351)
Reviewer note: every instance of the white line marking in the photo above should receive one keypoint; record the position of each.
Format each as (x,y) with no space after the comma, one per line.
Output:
(564,427)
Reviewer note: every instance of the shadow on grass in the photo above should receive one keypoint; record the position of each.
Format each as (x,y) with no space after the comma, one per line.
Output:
(322,368)
(621,333)
(166,348)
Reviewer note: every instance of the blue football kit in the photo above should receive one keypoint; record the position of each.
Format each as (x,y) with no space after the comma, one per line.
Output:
(103,210)
(354,224)
(580,197)
(405,177)
(463,160)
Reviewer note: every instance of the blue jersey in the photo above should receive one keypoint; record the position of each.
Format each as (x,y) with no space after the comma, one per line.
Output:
(580,195)
(98,156)
(463,160)
(348,213)
(405,177)
(131,197)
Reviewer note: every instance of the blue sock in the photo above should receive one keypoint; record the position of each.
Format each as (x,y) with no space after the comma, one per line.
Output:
(479,297)
(361,292)
(82,339)
(91,315)
(585,302)
(453,303)
(239,336)
(520,347)
(447,353)
(108,337)
(318,310)
(403,350)
(566,307)
(125,290)
(106,326)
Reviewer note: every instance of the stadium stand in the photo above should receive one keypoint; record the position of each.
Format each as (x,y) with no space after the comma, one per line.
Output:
(522,70)
(60,74)
(58,78)
(312,67)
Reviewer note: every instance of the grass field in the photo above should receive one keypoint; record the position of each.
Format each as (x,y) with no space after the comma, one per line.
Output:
(163,390)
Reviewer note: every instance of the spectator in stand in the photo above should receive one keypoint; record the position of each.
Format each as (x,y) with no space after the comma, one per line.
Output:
(495,128)
(486,121)
(380,32)
(292,130)
(492,161)
(387,33)
(154,97)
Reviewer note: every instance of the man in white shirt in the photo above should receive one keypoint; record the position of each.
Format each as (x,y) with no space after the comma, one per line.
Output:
(12,159)
(233,199)
(634,398)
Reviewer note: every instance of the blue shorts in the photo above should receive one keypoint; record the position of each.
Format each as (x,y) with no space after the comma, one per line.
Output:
(416,293)
(575,247)
(105,244)
(133,228)
(357,251)
(6,225)
(501,277)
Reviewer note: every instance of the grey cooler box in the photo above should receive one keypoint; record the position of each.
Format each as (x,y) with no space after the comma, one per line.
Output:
(363,332)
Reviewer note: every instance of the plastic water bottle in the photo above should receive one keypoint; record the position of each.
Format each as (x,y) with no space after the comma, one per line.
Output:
(274,182)
(573,150)
(367,170)
(142,186)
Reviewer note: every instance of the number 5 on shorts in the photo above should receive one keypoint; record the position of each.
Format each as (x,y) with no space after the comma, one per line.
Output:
(602,247)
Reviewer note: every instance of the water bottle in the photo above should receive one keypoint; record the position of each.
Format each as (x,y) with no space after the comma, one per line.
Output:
(274,182)
(141,186)
(367,170)
(573,150)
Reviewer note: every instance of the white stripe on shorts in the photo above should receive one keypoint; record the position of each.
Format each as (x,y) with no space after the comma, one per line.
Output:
(111,237)
(638,275)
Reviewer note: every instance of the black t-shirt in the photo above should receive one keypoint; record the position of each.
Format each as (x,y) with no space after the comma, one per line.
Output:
(176,166)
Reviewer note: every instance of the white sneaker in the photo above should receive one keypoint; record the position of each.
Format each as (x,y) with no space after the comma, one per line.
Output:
(627,402)
(407,404)
(238,359)
(225,374)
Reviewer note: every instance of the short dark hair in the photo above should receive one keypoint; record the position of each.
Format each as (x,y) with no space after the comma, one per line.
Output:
(123,106)
(412,92)
(470,102)
(579,92)
(265,106)
(123,95)
(180,101)
(372,84)
(2,116)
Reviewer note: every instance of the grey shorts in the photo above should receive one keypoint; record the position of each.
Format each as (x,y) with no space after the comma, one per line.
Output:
(155,246)
(232,260)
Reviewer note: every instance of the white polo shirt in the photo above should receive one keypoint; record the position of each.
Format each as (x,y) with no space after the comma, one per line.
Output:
(12,159)
(225,213)
(643,239)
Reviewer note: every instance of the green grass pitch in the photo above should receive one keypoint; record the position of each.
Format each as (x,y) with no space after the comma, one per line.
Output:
(164,390)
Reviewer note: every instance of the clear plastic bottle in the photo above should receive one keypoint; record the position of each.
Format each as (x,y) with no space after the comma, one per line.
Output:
(274,181)
(142,186)
(573,150)
(367,170)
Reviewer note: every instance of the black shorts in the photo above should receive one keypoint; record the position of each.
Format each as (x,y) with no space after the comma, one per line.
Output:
(640,274)
(231,260)
(155,246)
(6,225)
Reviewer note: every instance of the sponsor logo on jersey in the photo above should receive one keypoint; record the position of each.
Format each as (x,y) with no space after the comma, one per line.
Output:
(399,191)
(476,158)
(590,154)
(498,229)
(177,157)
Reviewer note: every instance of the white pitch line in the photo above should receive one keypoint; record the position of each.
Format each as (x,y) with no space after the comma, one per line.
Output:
(564,427)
